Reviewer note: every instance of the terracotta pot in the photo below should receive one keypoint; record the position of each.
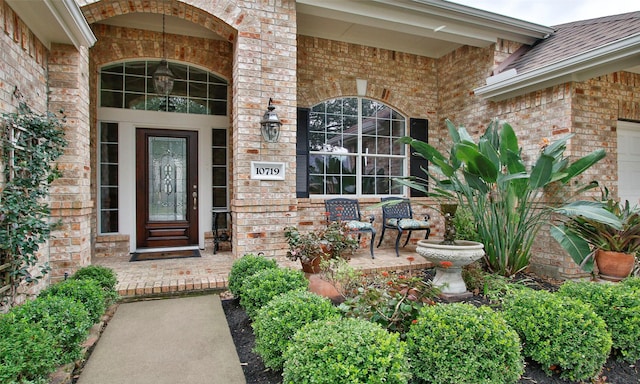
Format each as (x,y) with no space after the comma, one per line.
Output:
(311,267)
(614,266)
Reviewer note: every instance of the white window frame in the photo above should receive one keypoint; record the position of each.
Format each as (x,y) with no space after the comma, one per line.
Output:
(360,155)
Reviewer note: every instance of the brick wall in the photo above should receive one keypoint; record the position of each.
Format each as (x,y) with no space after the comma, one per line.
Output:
(258,56)
(71,200)
(23,62)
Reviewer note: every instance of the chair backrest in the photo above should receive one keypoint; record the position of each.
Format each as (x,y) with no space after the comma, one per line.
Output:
(400,209)
(342,209)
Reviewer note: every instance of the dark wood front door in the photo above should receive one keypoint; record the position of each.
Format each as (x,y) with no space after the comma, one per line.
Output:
(167,188)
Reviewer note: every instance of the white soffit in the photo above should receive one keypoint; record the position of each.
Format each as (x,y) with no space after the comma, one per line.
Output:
(621,55)
(430,28)
(55,21)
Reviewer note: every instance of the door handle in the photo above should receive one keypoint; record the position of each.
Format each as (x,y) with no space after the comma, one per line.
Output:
(195,200)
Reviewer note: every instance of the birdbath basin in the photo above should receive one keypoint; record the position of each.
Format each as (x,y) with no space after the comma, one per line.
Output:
(449,260)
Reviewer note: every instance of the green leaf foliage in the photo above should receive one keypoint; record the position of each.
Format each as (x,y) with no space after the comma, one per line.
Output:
(26,353)
(345,351)
(460,343)
(564,335)
(105,277)
(259,288)
(278,321)
(67,320)
(87,292)
(244,267)
(30,145)
(619,307)
(506,198)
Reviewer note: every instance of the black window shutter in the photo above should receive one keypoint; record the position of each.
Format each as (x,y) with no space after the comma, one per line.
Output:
(302,153)
(418,131)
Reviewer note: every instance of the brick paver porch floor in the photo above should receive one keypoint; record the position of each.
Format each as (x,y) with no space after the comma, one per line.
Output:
(210,272)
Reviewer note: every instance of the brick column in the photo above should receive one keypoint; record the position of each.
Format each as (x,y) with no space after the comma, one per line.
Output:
(71,204)
(264,67)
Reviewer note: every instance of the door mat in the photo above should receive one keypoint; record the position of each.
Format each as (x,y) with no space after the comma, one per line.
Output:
(164,255)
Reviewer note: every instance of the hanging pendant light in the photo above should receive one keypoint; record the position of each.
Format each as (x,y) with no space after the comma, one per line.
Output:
(163,77)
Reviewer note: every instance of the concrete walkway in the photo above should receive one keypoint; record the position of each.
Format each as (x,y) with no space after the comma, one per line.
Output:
(172,341)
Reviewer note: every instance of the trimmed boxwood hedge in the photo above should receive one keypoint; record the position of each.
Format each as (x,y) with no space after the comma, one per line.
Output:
(345,351)
(259,288)
(459,343)
(619,307)
(66,319)
(244,267)
(27,355)
(277,322)
(560,333)
(87,292)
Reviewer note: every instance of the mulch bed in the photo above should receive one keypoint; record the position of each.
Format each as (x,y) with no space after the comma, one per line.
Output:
(617,372)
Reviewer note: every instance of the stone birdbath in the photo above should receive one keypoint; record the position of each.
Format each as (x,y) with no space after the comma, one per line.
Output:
(449,256)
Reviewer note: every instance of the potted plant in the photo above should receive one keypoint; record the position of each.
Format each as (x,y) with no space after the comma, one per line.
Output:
(336,240)
(611,238)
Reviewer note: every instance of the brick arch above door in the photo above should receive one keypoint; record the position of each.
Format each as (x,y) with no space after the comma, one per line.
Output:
(224,18)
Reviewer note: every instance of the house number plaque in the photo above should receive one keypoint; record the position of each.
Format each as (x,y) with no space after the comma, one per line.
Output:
(261,170)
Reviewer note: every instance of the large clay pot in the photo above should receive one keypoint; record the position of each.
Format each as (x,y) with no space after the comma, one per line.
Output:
(311,267)
(614,266)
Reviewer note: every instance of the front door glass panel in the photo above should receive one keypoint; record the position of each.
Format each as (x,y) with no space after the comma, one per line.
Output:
(167,178)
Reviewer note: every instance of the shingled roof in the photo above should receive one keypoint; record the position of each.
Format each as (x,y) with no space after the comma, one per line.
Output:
(577,37)
(576,51)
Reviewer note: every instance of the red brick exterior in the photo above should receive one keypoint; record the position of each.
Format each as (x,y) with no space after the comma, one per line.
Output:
(263,57)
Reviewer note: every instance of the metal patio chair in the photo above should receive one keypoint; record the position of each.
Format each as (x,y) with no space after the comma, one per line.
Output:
(398,215)
(348,211)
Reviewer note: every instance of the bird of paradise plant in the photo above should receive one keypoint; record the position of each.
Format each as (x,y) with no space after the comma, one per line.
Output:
(508,199)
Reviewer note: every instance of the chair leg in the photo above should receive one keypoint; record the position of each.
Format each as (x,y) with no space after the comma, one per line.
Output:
(381,236)
(398,242)
(373,239)
(407,241)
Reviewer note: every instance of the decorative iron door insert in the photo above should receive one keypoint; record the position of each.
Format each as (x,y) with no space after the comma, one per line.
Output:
(167,188)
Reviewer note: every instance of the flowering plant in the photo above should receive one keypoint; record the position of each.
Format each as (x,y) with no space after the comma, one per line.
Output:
(336,240)
(390,299)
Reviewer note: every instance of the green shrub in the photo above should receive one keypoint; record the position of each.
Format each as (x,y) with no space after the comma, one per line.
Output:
(87,292)
(259,288)
(277,322)
(105,277)
(67,320)
(244,267)
(459,343)
(618,306)
(349,351)
(560,333)
(26,355)
(632,283)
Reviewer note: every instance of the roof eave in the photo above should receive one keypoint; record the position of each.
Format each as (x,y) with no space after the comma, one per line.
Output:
(55,21)
(531,32)
(616,56)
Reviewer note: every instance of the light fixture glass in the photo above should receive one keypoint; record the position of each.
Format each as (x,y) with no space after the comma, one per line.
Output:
(163,77)
(270,125)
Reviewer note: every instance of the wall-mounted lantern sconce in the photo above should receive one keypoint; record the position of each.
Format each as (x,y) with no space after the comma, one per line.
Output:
(270,125)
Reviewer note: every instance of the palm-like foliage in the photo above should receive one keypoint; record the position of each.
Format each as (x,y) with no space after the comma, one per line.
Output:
(492,179)
(582,235)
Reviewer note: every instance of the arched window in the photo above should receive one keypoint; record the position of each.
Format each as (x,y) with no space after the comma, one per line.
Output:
(354,148)
(129,85)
